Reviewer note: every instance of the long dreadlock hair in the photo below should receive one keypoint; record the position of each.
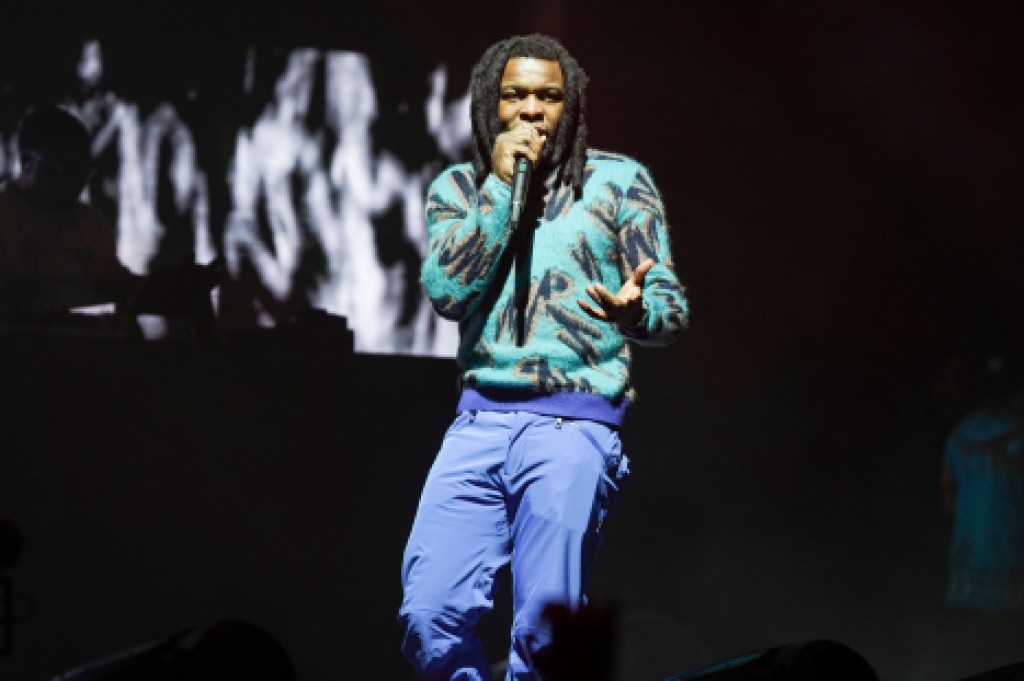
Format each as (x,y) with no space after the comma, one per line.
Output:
(569,145)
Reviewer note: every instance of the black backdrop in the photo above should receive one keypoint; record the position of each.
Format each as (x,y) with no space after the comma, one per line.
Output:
(840,181)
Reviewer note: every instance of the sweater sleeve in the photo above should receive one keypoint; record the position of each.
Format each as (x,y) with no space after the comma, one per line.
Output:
(644,234)
(468,231)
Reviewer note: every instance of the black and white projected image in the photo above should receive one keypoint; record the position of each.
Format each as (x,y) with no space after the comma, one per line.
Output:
(320,180)
(323,213)
(148,181)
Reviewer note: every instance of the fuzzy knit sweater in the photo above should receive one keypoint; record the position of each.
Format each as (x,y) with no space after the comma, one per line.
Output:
(524,341)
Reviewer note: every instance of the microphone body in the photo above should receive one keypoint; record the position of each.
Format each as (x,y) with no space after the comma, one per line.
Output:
(520,185)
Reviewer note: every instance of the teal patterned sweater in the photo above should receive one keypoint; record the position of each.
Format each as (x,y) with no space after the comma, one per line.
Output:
(558,350)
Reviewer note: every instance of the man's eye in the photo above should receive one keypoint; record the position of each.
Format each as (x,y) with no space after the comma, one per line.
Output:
(510,96)
(552,96)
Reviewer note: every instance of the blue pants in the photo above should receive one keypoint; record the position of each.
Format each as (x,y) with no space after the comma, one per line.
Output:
(519,487)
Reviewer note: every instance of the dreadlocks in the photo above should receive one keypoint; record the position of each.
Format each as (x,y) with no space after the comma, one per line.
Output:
(569,144)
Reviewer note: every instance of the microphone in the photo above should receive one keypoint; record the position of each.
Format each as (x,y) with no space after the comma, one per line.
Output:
(520,183)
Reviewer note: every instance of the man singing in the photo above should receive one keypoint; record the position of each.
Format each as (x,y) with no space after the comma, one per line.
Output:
(547,309)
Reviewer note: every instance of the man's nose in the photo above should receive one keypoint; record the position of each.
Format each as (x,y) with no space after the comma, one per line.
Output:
(531,108)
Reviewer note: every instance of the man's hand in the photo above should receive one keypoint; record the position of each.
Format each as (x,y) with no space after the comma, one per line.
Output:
(625,308)
(522,140)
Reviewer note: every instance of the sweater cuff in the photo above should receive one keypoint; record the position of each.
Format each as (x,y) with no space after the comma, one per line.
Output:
(497,201)
(641,329)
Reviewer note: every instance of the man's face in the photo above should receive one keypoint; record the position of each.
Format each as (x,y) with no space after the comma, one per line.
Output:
(532,91)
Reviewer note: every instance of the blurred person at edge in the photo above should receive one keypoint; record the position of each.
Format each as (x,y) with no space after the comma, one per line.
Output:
(983,488)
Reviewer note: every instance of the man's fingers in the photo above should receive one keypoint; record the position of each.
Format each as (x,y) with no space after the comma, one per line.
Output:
(604,297)
(527,135)
(524,130)
(641,272)
(592,311)
(611,307)
(524,149)
(521,140)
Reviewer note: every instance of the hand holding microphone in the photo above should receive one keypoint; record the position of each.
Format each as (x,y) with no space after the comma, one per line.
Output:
(515,153)
(522,140)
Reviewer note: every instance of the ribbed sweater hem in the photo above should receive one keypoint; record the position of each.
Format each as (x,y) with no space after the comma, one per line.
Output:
(571,405)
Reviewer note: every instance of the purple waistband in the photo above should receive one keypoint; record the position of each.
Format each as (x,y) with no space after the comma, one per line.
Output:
(567,405)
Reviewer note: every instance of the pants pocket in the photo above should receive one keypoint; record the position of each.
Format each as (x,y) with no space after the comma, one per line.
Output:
(606,441)
(615,471)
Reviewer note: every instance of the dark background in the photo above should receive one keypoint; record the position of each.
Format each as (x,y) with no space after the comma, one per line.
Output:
(841,183)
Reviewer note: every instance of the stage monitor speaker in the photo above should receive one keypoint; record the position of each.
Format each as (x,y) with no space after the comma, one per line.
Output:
(1014,672)
(813,661)
(225,651)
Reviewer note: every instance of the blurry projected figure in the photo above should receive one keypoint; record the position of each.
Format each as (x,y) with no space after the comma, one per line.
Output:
(274,162)
(98,108)
(369,287)
(362,290)
(983,485)
(310,197)
(148,180)
(450,126)
(163,199)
